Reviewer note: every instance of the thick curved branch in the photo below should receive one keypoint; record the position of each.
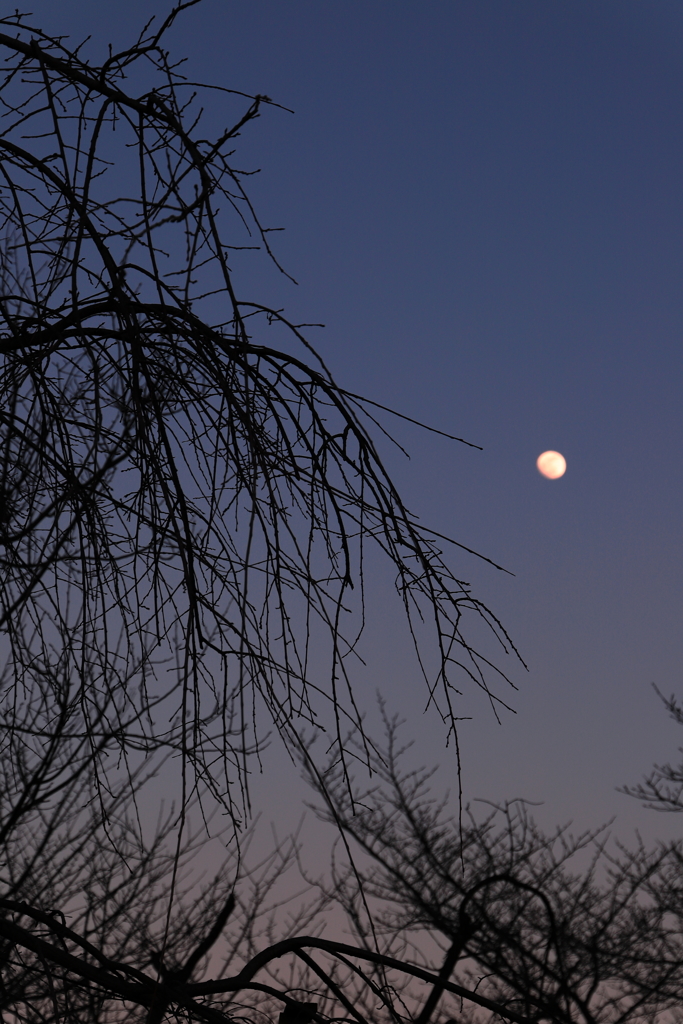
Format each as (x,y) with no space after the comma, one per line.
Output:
(279,949)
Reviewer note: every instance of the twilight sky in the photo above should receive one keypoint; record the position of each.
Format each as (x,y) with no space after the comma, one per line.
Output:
(483,202)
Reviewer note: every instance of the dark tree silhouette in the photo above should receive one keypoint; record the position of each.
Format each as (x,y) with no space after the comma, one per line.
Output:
(662,789)
(185,491)
(545,927)
(185,498)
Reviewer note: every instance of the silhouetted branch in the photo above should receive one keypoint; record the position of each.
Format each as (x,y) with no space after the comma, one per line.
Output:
(176,491)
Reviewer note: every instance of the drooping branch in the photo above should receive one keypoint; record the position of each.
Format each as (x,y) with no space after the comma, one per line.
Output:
(180,486)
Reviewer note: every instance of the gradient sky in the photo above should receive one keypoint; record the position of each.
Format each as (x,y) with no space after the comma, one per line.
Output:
(483,202)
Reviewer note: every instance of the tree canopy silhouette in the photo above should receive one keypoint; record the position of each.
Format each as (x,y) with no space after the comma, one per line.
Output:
(185,492)
(552,927)
(186,496)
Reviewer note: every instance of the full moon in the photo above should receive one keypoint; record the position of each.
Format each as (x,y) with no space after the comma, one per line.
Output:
(551,464)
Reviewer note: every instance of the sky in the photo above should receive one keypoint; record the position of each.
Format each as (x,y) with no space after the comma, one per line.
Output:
(483,203)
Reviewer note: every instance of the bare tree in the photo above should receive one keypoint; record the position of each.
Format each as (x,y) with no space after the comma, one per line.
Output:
(662,789)
(525,924)
(184,495)
(185,498)
(487,919)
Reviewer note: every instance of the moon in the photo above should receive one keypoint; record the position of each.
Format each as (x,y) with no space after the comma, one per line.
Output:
(551,464)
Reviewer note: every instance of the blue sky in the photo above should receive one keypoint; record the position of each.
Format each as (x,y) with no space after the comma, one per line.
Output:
(483,202)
